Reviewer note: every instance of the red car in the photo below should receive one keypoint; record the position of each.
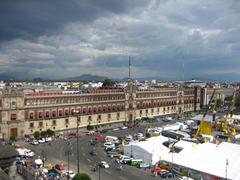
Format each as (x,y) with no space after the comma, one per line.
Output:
(59,167)
(100,138)
(156,170)
(130,126)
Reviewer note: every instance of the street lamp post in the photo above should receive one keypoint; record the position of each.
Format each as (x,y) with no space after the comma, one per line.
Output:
(172,151)
(227,163)
(78,121)
(68,152)
(99,172)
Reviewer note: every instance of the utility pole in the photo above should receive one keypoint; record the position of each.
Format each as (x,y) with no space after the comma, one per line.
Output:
(227,163)
(67,153)
(78,119)
(99,172)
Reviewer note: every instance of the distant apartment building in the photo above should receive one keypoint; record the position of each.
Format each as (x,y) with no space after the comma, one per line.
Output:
(22,113)
(220,93)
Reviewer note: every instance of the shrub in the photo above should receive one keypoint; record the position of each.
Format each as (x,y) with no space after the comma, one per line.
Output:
(13,138)
(90,127)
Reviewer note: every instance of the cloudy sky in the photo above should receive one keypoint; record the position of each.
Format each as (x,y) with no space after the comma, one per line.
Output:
(165,38)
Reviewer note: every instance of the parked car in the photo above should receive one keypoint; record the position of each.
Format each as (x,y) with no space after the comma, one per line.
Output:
(104,164)
(69,174)
(48,139)
(130,126)
(115,129)
(91,133)
(93,152)
(59,168)
(124,127)
(100,138)
(41,141)
(29,153)
(128,138)
(35,142)
(108,144)
(167,175)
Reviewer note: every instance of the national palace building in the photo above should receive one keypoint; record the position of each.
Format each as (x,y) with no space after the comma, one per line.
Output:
(24,113)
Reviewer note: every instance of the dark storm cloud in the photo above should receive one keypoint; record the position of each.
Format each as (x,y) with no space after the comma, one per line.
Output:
(30,18)
(174,38)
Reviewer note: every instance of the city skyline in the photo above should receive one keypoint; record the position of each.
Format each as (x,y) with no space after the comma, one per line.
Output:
(174,39)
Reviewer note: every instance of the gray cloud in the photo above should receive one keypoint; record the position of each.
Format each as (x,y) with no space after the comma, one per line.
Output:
(164,38)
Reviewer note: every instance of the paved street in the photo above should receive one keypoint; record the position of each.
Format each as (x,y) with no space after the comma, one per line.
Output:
(56,152)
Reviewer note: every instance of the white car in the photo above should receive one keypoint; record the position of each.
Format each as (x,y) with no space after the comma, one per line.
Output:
(70,174)
(29,153)
(106,144)
(41,141)
(129,138)
(116,129)
(103,164)
(124,127)
(48,139)
(35,142)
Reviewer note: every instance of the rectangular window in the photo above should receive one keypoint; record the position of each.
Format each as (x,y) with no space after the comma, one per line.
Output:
(99,117)
(54,114)
(31,116)
(89,118)
(109,116)
(54,123)
(66,121)
(31,125)
(13,116)
(118,116)
(66,112)
(60,113)
(40,124)
(40,115)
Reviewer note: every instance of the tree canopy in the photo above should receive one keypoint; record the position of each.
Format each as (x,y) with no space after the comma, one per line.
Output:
(36,134)
(81,176)
(108,83)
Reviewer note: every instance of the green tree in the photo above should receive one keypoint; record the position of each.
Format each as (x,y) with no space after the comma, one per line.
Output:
(12,138)
(97,127)
(81,176)
(43,134)
(108,83)
(90,127)
(36,134)
(50,133)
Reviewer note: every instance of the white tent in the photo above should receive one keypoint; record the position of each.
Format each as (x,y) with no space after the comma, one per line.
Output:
(207,158)
(150,151)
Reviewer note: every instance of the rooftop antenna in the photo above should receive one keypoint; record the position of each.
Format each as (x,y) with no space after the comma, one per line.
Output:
(183,77)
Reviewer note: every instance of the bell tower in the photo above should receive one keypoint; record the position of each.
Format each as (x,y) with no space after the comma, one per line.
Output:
(130,98)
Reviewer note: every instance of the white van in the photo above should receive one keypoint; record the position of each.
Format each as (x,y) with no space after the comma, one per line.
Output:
(112,139)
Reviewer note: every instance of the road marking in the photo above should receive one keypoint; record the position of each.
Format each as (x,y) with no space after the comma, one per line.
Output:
(123,178)
(107,171)
(89,160)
